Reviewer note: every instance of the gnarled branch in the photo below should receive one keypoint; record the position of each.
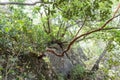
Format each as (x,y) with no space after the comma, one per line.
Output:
(82,35)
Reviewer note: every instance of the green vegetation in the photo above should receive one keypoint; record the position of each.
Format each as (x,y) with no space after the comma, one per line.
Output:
(60,40)
(78,73)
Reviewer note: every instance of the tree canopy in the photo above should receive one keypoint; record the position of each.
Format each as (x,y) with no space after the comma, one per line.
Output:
(33,29)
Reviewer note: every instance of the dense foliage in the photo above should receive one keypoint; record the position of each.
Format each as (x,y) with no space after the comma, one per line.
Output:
(30,32)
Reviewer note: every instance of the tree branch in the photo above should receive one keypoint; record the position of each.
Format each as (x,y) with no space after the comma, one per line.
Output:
(116,10)
(48,20)
(43,23)
(60,27)
(116,28)
(111,28)
(96,65)
(82,35)
(27,4)
(81,27)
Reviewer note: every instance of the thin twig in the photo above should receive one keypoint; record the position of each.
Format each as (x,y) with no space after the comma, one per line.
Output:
(80,27)
(27,4)
(48,20)
(60,27)
(116,10)
(43,23)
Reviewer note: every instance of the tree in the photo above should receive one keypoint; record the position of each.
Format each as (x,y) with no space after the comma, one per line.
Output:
(61,22)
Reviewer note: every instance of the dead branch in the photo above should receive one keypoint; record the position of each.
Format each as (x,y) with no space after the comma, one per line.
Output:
(96,65)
